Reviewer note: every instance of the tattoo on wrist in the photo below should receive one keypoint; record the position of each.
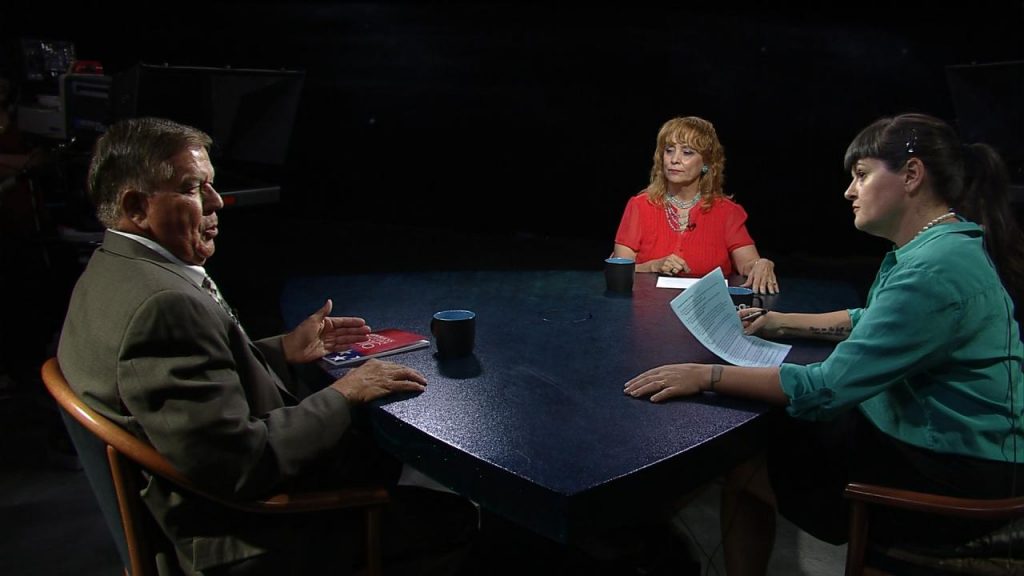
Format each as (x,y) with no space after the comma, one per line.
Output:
(716,376)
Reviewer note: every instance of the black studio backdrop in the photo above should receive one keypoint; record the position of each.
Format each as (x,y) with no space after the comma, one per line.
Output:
(512,120)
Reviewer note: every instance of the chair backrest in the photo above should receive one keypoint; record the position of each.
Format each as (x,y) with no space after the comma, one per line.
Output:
(93,456)
(113,480)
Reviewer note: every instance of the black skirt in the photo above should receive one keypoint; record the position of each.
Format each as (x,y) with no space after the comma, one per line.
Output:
(810,463)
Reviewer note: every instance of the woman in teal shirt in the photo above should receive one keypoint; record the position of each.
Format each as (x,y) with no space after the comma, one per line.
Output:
(924,389)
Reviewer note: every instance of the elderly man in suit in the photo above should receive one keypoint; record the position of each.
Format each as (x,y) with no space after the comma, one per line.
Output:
(149,342)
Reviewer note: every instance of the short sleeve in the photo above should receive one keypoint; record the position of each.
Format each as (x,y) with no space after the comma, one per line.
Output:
(736,235)
(630,227)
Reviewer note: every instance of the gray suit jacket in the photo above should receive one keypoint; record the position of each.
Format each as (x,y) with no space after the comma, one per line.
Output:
(146,347)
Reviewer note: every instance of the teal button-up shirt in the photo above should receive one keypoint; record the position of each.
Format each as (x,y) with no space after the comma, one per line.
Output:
(934,357)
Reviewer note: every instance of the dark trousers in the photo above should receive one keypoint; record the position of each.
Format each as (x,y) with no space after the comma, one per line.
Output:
(423,532)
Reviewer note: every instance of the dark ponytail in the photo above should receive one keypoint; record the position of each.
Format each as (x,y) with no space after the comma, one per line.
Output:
(986,200)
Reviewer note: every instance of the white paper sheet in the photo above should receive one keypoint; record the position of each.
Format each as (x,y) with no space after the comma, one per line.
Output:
(707,311)
(413,477)
(674,282)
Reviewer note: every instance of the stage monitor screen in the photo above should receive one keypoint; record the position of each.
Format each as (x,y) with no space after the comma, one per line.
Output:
(248,113)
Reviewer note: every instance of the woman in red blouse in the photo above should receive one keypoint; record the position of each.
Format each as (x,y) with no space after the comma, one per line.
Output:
(683,223)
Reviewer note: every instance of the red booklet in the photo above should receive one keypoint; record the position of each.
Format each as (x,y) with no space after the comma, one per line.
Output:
(381,343)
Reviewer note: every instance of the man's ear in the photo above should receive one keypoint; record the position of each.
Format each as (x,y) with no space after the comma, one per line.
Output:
(135,208)
(913,175)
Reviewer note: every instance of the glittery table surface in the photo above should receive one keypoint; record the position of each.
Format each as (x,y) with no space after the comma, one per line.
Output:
(534,425)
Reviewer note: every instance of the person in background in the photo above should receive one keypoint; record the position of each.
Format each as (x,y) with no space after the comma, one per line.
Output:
(684,223)
(924,390)
(150,343)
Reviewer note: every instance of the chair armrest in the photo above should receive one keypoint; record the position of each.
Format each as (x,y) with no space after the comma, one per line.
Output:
(985,509)
(145,456)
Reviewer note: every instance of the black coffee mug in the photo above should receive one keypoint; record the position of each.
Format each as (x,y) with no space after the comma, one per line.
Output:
(618,274)
(744,297)
(454,332)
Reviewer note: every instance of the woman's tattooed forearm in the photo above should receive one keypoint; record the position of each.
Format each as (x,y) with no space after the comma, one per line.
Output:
(830,331)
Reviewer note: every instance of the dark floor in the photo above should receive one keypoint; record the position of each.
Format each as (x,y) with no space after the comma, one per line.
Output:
(49,521)
(52,525)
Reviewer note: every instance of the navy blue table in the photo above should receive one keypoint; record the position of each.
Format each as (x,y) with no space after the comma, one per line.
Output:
(535,426)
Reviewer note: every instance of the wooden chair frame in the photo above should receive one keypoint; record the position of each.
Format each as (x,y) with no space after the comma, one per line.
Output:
(863,495)
(128,455)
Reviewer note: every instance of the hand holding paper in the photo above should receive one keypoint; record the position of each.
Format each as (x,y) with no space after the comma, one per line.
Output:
(707,311)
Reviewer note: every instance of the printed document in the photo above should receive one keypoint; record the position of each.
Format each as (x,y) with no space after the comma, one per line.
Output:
(707,311)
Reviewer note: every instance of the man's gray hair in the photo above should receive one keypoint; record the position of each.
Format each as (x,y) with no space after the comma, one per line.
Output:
(136,154)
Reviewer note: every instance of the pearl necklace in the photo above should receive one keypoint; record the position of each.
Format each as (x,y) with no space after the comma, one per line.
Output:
(934,222)
(684,204)
(678,212)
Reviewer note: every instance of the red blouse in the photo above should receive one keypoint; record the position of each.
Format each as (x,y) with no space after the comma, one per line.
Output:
(706,244)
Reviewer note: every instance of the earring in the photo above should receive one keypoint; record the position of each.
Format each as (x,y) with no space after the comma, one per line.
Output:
(704,169)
